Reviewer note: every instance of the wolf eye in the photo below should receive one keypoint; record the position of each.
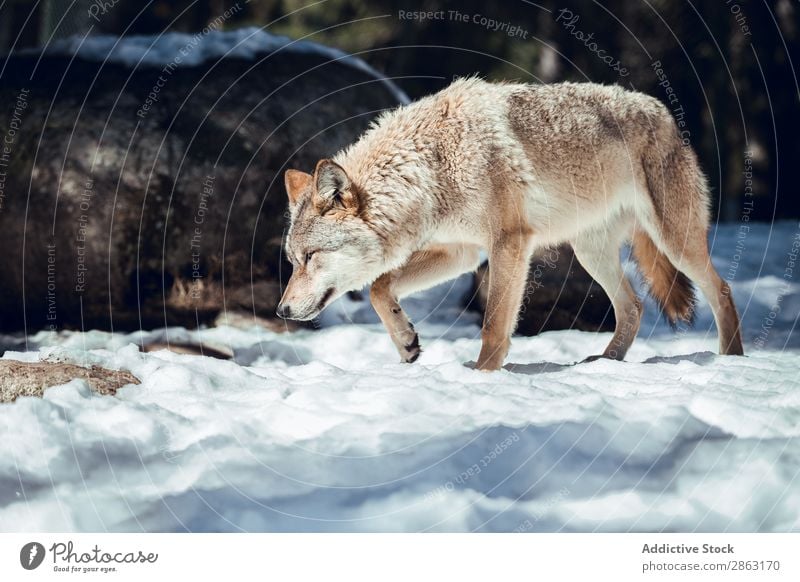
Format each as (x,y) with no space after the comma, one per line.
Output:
(309,255)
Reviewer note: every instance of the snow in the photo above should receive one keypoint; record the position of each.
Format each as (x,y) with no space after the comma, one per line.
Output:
(324,430)
(195,49)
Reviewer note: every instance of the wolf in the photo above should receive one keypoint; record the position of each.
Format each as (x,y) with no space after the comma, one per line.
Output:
(507,168)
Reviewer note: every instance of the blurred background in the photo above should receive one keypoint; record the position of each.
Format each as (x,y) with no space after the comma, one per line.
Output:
(729,64)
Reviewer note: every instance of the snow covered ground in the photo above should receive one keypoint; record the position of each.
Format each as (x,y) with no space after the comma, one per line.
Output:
(326,431)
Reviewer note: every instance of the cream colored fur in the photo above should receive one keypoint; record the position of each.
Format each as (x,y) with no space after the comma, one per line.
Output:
(507,168)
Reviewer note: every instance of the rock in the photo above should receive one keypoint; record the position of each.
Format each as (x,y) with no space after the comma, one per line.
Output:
(218,352)
(244,320)
(559,294)
(31,378)
(129,212)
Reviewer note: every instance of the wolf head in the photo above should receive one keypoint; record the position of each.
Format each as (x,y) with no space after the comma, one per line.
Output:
(331,247)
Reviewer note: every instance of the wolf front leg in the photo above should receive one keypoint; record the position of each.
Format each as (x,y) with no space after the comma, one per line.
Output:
(426,268)
(508,272)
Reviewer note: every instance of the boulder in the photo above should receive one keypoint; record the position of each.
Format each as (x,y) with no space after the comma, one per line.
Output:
(152,195)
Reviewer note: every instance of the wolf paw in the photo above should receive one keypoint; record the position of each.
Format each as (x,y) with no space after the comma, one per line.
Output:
(411,351)
(595,358)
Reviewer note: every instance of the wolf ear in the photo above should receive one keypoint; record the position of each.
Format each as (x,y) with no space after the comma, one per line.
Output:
(333,186)
(296,183)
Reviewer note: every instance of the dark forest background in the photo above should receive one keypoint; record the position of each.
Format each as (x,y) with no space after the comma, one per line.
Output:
(730,64)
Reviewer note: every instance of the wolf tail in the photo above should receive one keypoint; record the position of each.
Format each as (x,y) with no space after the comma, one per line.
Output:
(672,289)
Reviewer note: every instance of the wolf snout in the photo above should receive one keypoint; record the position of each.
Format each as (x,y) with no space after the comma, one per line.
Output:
(284,311)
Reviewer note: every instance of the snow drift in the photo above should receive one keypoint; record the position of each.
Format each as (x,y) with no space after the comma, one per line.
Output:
(325,431)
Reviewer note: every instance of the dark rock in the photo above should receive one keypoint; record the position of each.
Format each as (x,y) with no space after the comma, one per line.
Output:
(114,217)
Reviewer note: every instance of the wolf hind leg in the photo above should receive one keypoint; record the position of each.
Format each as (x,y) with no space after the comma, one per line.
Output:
(427,268)
(686,246)
(680,231)
(598,252)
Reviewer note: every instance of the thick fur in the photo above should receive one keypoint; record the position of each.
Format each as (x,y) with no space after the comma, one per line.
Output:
(672,289)
(507,168)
